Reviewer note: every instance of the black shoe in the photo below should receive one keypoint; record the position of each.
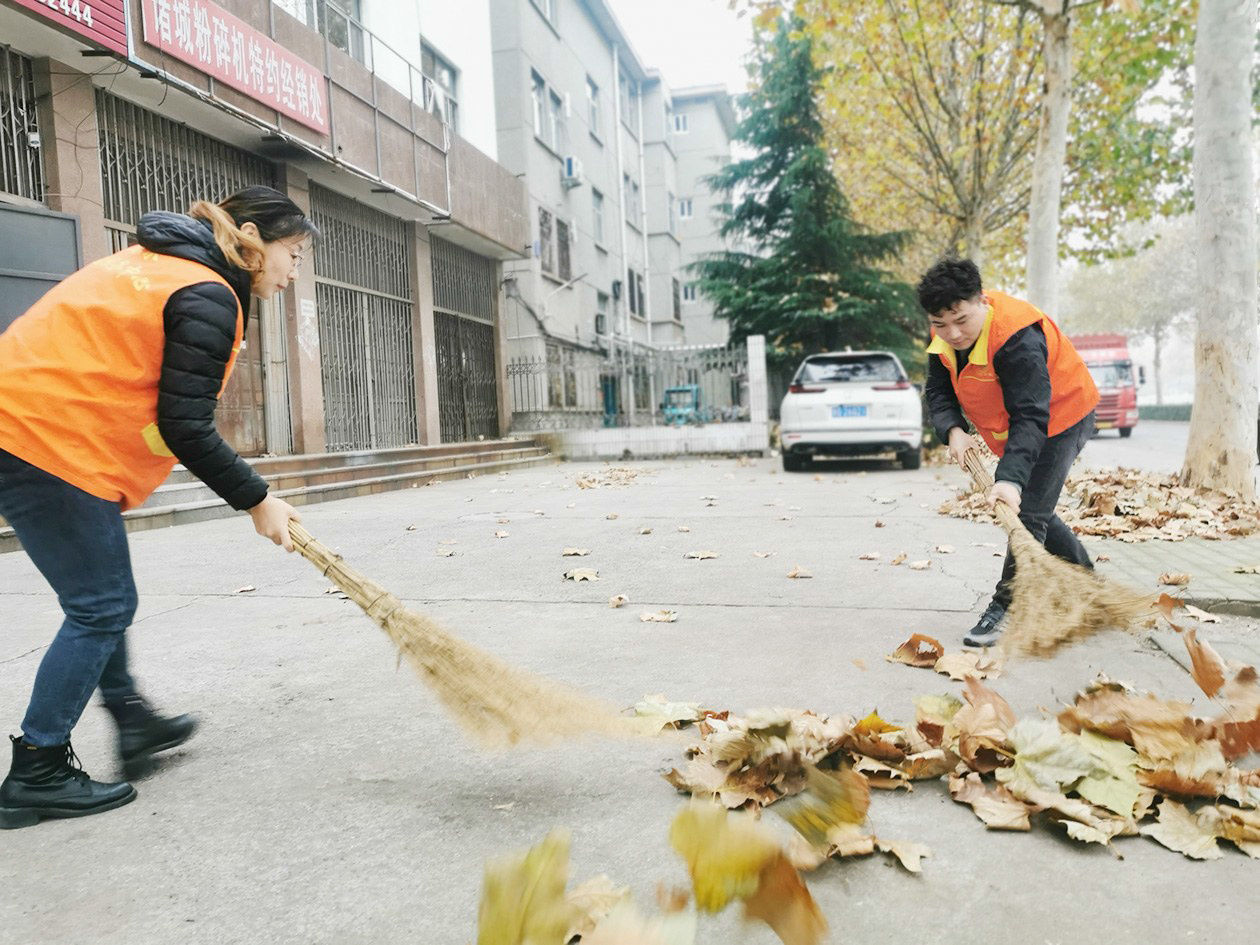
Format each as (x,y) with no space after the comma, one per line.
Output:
(988,628)
(49,782)
(142,733)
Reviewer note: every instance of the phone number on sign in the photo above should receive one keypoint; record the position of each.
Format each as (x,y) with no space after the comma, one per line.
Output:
(76,10)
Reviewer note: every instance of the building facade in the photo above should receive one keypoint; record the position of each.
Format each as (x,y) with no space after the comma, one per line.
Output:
(393,336)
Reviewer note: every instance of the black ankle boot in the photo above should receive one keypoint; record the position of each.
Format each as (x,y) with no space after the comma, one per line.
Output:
(988,628)
(48,782)
(142,733)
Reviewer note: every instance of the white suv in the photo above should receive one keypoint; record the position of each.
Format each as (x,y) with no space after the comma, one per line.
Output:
(851,403)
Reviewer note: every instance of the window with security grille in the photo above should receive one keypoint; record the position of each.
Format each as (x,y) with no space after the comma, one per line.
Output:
(547,250)
(677,296)
(21,164)
(563,251)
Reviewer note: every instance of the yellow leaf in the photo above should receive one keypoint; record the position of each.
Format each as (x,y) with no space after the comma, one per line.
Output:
(522,896)
(907,852)
(1180,830)
(725,852)
(831,799)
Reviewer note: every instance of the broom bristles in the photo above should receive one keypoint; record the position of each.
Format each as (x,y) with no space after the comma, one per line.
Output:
(496,704)
(1054,603)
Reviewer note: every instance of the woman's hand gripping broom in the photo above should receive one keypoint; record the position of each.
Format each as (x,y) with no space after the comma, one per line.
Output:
(1054,603)
(495,703)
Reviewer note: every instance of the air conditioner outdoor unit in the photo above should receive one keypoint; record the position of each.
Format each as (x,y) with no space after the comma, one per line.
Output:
(601,324)
(571,172)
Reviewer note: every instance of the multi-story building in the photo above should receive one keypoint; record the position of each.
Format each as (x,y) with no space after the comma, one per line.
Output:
(703,125)
(393,336)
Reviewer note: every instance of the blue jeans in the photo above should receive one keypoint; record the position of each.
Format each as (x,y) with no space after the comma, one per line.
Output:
(80,546)
(1041,495)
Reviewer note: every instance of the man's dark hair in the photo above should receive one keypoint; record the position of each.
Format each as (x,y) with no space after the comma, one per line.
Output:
(947,283)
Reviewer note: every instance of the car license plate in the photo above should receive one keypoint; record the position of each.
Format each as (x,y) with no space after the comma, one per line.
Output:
(1103,425)
(849,410)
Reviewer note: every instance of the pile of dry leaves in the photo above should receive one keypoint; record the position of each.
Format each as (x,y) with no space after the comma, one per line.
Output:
(612,476)
(1130,505)
(1115,763)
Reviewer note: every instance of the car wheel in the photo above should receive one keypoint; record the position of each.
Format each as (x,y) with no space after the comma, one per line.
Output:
(1126,432)
(793,463)
(911,459)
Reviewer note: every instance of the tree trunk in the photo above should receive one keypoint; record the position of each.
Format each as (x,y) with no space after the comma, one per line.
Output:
(1047,181)
(972,240)
(1158,337)
(1221,448)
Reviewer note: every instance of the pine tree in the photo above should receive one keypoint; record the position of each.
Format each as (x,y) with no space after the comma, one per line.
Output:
(802,272)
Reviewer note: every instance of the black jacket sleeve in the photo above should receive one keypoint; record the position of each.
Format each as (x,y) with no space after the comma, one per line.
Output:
(944,412)
(1021,368)
(200,323)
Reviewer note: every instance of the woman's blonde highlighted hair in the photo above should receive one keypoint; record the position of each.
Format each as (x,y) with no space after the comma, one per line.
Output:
(276,216)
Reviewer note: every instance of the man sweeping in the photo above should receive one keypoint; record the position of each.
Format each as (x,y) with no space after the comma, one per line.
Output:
(1003,364)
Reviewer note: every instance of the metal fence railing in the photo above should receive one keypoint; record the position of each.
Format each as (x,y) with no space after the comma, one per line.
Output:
(575,388)
(21,167)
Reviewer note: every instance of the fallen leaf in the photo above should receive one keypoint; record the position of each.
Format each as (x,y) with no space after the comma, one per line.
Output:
(505,807)
(661,616)
(899,559)
(445,553)
(981,728)
(500,534)
(1166,604)
(591,902)
(625,925)
(831,799)
(582,574)
(611,516)
(618,600)
(1172,579)
(763,554)
(656,707)
(920,650)
(859,663)
(963,663)
(920,565)
(700,555)
(999,809)
(1180,830)
(246,589)
(905,851)
(1103,558)
(799,572)
(575,552)
(725,853)
(1046,758)
(684,528)
(645,531)
(1206,666)
(1247,569)
(1201,615)
(522,895)
(1241,828)
(932,714)
(504,521)
(944,549)
(869,556)
(783,902)
(410,528)
(879,523)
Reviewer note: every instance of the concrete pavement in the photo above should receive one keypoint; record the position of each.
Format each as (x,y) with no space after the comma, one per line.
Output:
(328,800)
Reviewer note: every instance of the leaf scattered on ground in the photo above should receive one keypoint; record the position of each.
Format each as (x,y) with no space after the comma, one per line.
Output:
(500,534)
(1174,579)
(582,574)
(575,552)
(869,556)
(618,600)
(659,616)
(798,572)
(700,555)
(920,650)
(920,565)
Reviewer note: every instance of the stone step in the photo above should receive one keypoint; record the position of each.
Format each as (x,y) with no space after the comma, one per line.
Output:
(184,502)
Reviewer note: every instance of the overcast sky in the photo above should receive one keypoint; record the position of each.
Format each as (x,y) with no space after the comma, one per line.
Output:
(692,42)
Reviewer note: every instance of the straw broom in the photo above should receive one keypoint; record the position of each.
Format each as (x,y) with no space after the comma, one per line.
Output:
(493,702)
(1054,603)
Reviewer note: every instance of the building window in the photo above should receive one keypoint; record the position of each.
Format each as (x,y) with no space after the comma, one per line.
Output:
(680,123)
(439,80)
(546,249)
(685,208)
(601,313)
(689,292)
(633,297)
(633,207)
(342,23)
(538,94)
(629,100)
(556,136)
(547,8)
(642,298)
(562,245)
(592,105)
(597,215)
(677,295)
(669,201)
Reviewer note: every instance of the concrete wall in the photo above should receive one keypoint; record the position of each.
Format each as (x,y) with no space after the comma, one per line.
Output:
(650,442)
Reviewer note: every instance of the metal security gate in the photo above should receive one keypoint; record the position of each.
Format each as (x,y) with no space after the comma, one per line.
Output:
(363,295)
(152,163)
(21,169)
(464,290)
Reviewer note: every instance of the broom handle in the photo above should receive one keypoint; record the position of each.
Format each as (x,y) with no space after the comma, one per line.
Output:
(374,599)
(1007,517)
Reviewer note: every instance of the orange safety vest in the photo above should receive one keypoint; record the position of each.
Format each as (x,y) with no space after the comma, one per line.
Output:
(79,374)
(1072,391)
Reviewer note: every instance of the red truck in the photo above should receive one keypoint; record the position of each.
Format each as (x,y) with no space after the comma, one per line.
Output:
(1108,360)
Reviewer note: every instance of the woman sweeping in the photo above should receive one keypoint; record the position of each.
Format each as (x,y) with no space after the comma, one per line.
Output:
(106,383)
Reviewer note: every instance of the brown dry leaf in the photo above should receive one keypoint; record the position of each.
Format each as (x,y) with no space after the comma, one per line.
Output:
(880,774)
(998,808)
(982,728)
(582,574)
(1241,828)
(1178,829)
(944,549)
(1158,729)
(879,523)
(611,516)
(920,565)
(831,799)
(1167,604)
(1247,569)
(907,852)
(500,534)
(1206,666)
(932,714)
(645,531)
(920,650)
(248,588)
(1174,579)
(700,555)
(1201,615)
(962,664)
(617,600)
(798,572)
(445,553)
(660,616)
(1103,558)
(869,556)
(783,902)
(929,764)
(684,528)
(591,902)
(505,521)
(899,558)
(575,552)
(763,554)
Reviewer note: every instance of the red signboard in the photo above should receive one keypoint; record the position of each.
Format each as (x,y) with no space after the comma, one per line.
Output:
(207,37)
(101,21)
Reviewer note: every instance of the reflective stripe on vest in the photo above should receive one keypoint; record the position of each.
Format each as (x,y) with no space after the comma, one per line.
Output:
(1072,391)
(79,374)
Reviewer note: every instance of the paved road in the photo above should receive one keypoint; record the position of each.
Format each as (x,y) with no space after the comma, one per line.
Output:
(328,800)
